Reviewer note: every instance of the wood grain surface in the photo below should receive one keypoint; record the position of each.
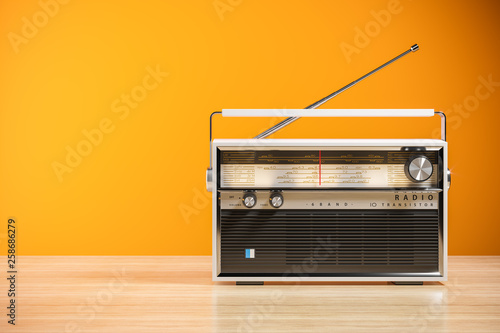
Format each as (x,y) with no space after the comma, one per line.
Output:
(176,294)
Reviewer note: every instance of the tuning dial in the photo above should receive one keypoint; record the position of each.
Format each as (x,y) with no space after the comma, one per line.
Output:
(418,168)
(276,200)
(249,200)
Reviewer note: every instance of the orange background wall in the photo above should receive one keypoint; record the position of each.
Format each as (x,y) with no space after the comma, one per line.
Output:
(140,188)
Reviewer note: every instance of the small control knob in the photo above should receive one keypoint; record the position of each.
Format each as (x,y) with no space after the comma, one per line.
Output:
(448,174)
(249,200)
(276,200)
(418,168)
(209,180)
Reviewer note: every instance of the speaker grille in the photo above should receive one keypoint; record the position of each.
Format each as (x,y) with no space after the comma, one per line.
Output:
(329,241)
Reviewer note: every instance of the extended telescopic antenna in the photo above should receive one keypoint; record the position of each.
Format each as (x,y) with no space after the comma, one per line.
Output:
(290,120)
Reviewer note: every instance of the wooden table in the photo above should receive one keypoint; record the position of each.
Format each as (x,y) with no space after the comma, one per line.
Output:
(176,294)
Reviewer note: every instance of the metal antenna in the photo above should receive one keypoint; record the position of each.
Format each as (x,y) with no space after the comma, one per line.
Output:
(290,120)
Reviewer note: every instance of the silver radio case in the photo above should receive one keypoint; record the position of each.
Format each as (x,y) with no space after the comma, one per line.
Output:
(269,237)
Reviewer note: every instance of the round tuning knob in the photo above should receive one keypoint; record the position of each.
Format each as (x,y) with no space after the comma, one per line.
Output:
(249,200)
(418,168)
(276,200)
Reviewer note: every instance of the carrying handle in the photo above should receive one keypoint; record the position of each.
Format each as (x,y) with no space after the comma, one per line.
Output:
(328,113)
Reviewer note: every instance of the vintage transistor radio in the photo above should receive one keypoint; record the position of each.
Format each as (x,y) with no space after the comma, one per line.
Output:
(329,209)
